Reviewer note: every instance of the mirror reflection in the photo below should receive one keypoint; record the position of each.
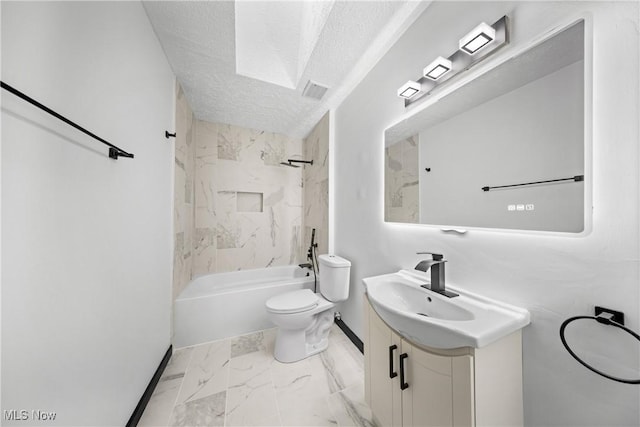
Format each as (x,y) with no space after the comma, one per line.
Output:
(504,151)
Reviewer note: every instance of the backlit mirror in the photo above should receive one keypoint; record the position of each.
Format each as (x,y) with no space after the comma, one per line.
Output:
(506,150)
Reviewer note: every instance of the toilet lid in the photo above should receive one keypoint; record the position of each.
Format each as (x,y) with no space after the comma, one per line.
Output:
(293,302)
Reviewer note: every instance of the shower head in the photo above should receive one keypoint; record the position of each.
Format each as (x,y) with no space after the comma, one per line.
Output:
(289,164)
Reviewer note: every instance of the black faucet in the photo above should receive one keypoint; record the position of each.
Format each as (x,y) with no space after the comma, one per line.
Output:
(436,264)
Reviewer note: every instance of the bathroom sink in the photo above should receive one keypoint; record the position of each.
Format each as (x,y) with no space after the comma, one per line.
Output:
(433,320)
(407,297)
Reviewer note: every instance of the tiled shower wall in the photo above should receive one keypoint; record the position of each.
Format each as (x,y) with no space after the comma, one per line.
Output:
(316,187)
(236,206)
(248,206)
(183,213)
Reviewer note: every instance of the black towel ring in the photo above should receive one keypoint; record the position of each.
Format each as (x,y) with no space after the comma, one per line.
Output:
(605,321)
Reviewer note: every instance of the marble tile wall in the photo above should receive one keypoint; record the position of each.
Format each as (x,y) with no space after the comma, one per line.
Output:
(316,187)
(183,208)
(401,199)
(229,235)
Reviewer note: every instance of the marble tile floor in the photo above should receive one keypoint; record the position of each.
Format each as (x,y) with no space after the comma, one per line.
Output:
(237,382)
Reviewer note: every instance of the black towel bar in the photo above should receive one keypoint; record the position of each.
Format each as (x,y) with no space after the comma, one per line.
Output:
(573,178)
(114,152)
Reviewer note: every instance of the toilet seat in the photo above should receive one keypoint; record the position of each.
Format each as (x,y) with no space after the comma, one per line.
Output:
(293,302)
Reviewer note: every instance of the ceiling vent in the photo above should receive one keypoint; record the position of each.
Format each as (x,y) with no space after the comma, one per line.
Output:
(314,90)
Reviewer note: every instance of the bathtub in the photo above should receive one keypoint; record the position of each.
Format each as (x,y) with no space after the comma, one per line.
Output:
(222,305)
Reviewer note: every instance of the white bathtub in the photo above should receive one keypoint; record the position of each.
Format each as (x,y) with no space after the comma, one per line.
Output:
(224,305)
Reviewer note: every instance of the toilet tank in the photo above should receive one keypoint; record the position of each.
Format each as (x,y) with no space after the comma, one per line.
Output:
(334,277)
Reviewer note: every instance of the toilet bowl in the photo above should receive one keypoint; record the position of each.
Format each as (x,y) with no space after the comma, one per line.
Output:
(304,318)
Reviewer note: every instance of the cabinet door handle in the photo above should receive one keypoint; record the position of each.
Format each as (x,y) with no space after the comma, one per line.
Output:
(392,374)
(403,384)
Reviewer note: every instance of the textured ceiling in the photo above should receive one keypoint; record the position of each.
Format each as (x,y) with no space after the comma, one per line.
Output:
(199,39)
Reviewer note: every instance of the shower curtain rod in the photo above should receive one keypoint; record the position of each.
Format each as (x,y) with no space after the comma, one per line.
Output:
(114,152)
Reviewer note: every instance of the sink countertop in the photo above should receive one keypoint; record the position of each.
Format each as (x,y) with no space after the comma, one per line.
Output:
(396,298)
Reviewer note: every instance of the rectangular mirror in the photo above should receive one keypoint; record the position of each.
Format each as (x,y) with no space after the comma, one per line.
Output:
(506,150)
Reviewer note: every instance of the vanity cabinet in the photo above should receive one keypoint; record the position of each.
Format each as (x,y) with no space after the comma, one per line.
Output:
(409,385)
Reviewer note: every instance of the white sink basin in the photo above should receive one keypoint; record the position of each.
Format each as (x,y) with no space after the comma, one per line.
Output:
(433,320)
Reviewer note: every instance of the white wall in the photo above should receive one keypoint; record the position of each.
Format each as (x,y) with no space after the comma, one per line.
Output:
(86,261)
(555,277)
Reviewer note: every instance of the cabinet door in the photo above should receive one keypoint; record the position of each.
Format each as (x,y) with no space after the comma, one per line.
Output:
(428,399)
(383,362)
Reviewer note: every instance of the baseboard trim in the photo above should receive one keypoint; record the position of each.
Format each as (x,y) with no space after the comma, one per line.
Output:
(146,396)
(352,336)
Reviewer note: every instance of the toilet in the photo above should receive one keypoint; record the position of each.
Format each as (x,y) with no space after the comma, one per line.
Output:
(304,318)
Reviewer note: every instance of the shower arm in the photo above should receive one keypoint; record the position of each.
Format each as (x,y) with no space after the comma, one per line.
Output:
(307,162)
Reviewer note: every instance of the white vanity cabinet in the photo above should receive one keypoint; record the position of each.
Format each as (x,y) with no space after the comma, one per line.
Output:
(409,385)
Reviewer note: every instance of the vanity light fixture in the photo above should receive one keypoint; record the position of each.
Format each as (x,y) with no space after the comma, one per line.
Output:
(477,38)
(438,68)
(477,45)
(409,89)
